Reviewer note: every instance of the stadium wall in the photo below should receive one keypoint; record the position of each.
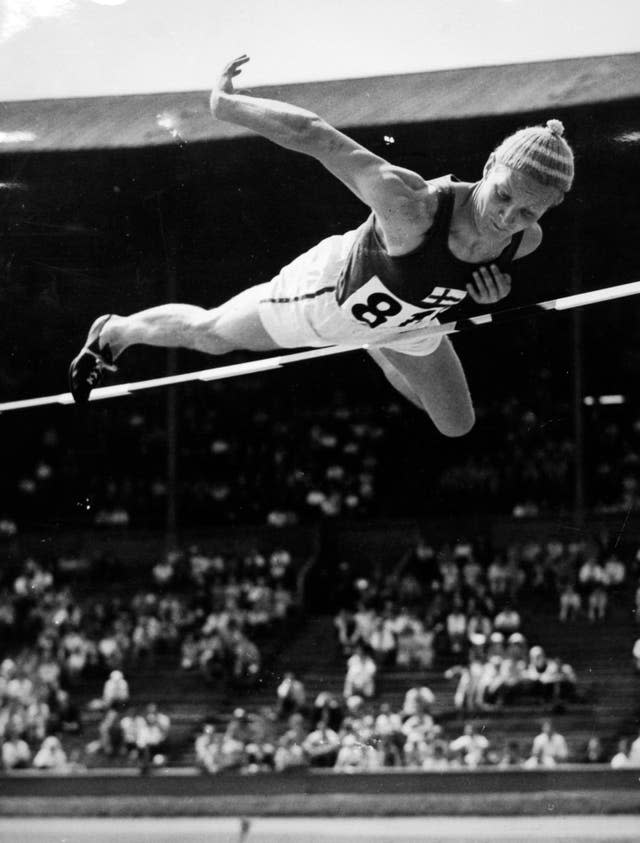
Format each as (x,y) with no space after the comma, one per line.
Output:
(572,789)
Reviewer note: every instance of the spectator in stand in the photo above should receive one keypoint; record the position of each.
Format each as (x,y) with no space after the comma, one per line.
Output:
(79,653)
(570,603)
(389,754)
(497,577)
(456,626)
(361,673)
(591,574)
(211,655)
(507,621)
(558,681)
(594,751)
(417,700)
(597,603)
(208,749)
(189,652)
(634,752)
(511,673)
(346,633)
(51,755)
(409,590)
(289,754)
(472,570)
(388,724)
(414,644)
(163,572)
(116,690)
(437,760)
(515,573)
(420,561)
(110,738)
(488,683)
(478,623)
(420,725)
(321,746)
(16,753)
(280,563)
(232,746)
(354,756)
(465,694)
(418,749)
(365,620)
(327,707)
(496,645)
(111,650)
(383,641)
(615,572)
(246,659)
(549,748)
(132,727)
(511,756)
(291,695)
(65,716)
(152,737)
(471,747)
(535,670)
(260,758)
(448,572)
(621,758)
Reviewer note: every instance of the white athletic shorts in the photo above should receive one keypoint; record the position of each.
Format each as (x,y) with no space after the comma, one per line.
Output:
(299,307)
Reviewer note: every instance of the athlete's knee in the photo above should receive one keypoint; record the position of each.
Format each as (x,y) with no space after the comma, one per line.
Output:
(457,425)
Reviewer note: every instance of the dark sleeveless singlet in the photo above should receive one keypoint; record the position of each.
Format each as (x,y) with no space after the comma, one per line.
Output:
(431,276)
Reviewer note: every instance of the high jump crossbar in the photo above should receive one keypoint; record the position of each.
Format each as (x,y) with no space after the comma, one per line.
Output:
(268,363)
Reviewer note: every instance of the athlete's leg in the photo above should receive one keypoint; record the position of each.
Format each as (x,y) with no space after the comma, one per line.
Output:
(232,326)
(435,383)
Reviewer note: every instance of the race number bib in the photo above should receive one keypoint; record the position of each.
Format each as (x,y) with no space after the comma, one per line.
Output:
(373,305)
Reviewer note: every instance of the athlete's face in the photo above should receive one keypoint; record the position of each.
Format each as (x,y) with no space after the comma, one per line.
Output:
(508,201)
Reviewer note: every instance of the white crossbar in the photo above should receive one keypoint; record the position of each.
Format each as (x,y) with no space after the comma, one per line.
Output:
(268,363)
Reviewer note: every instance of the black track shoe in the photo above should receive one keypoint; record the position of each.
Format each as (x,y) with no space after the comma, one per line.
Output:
(87,369)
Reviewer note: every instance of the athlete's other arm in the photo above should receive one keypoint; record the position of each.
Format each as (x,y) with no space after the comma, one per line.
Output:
(401,199)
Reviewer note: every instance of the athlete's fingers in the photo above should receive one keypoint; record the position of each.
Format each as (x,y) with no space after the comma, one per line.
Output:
(238,62)
(490,283)
(502,280)
(478,290)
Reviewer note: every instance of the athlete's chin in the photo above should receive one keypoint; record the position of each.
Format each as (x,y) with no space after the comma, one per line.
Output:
(498,229)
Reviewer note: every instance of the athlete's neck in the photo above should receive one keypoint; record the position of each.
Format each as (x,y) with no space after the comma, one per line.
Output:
(465,235)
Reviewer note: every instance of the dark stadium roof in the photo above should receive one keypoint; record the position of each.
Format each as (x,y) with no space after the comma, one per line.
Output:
(135,120)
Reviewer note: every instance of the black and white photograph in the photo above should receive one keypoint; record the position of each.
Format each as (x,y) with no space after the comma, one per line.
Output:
(319,421)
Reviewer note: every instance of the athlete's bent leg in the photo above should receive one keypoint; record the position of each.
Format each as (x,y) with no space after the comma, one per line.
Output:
(232,326)
(435,383)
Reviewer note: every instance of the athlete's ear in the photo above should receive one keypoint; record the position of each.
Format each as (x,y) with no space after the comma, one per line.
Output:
(491,160)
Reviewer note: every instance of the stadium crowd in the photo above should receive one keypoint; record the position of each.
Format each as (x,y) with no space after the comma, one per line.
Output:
(353,734)
(280,464)
(208,610)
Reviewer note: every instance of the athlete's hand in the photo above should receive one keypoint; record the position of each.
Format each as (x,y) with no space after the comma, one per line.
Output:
(490,285)
(233,69)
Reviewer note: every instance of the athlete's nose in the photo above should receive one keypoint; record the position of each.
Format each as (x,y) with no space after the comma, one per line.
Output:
(507,217)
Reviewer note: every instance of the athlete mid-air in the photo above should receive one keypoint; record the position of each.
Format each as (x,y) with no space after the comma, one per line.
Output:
(425,247)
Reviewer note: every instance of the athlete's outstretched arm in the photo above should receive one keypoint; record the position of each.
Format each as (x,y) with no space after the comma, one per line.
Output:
(401,199)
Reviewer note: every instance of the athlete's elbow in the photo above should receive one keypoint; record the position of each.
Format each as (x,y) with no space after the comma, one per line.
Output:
(222,107)
(322,139)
